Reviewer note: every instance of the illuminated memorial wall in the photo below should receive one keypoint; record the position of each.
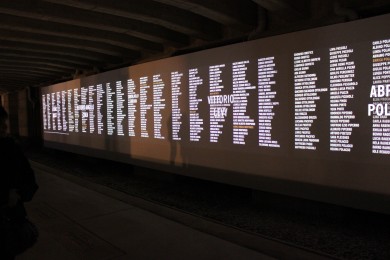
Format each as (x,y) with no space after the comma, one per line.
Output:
(293,113)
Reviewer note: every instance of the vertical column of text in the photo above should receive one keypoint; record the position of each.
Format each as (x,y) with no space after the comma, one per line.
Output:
(110,109)
(196,123)
(54,110)
(144,106)
(306,95)
(63,109)
(241,121)
(99,104)
(132,98)
(76,98)
(44,112)
(91,108)
(158,105)
(59,113)
(176,116)
(84,110)
(218,103)
(70,111)
(342,74)
(48,106)
(379,108)
(120,105)
(266,80)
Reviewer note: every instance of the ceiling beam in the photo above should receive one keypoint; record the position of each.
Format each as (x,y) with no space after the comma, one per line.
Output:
(49,49)
(77,32)
(48,12)
(59,41)
(239,14)
(166,16)
(37,54)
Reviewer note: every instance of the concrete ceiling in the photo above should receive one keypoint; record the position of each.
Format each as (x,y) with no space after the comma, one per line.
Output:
(48,41)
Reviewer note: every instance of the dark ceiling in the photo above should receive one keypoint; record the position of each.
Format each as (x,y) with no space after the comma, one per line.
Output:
(49,41)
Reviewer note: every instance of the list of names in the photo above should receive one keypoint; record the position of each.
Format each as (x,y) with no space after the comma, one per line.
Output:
(380,96)
(63,110)
(267,104)
(83,109)
(218,103)
(54,110)
(237,108)
(158,105)
(70,110)
(76,98)
(144,106)
(99,106)
(242,122)
(120,106)
(306,94)
(342,86)
(196,123)
(91,108)
(132,99)
(44,112)
(110,109)
(176,116)
(59,111)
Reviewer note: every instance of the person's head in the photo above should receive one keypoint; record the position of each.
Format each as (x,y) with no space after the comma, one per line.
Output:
(3,121)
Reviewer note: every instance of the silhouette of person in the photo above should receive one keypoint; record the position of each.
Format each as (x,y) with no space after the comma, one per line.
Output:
(17,184)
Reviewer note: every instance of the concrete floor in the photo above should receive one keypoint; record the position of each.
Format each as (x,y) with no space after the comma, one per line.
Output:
(80,220)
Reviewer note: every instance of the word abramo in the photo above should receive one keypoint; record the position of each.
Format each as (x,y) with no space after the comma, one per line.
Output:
(379,109)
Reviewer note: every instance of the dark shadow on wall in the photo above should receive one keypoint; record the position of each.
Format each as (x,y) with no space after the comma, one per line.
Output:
(179,149)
